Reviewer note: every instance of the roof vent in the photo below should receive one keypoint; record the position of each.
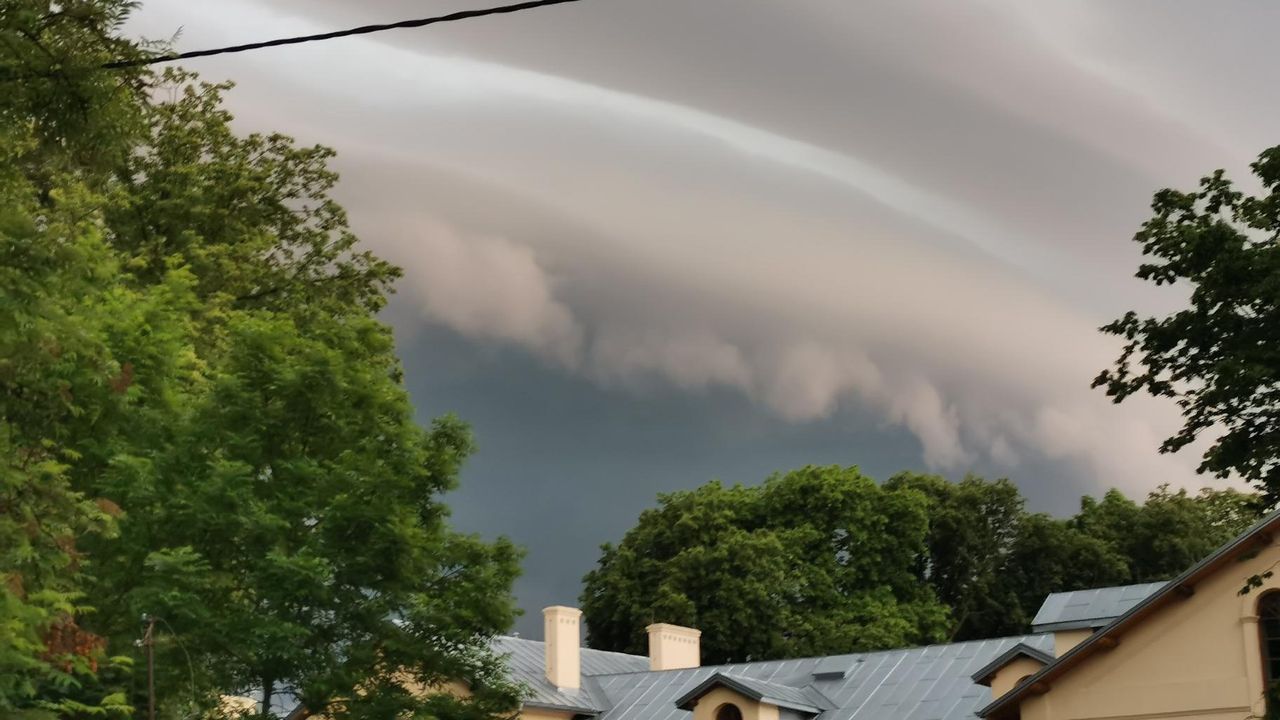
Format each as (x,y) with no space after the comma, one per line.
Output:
(832,668)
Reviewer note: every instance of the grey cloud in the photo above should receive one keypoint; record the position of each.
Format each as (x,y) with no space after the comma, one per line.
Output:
(484,286)
(1034,111)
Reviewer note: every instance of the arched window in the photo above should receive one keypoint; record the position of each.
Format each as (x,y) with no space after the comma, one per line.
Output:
(728,711)
(1269,626)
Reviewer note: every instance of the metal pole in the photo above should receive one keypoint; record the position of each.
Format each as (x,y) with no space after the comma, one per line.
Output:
(148,639)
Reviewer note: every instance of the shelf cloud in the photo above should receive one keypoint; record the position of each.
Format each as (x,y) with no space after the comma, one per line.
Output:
(909,211)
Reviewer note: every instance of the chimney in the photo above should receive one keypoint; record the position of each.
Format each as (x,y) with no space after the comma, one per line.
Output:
(563,646)
(672,647)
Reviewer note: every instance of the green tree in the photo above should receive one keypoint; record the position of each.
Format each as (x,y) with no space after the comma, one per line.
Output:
(288,531)
(1051,555)
(204,416)
(1168,533)
(60,398)
(282,506)
(992,563)
(973,525)
(57,403)
(1219,357)
(821,560)
(814,561)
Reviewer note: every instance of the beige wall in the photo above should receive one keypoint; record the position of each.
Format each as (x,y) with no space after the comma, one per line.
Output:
(751,710)
(1064,640)
(1197,657)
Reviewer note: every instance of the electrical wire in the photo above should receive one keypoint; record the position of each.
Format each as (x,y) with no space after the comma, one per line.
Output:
(363,30)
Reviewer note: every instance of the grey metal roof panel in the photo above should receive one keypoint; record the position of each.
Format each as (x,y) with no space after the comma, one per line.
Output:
(1089,608)
(929,683)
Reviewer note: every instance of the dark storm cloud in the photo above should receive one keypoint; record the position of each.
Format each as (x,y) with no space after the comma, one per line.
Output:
(549,443)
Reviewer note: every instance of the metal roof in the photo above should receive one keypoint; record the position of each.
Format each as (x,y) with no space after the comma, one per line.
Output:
(1079,609)
(923,683)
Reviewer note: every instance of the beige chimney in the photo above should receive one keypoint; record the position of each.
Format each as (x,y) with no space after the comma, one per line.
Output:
(672,647)
(563,646)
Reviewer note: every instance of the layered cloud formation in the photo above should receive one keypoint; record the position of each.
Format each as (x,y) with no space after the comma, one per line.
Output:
(917,209)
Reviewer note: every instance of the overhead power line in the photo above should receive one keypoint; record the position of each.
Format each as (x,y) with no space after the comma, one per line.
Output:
(363,30)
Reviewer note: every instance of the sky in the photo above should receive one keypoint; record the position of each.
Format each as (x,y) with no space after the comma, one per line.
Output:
(652,243)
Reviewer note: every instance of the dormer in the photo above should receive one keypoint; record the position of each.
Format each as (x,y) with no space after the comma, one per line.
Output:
(725,696)
(1011,667)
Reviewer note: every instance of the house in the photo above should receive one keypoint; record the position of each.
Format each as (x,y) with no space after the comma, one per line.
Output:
(1193,647)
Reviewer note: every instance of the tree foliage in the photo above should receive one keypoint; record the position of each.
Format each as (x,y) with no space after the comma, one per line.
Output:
(1219,357)
(813,561)
(201,419)
(972,526)
(57,404)
(823,560)
(59,378)
(993,563)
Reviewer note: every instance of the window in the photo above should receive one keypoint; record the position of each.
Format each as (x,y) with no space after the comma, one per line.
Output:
(728,711)
(1269,629)
(1269,625)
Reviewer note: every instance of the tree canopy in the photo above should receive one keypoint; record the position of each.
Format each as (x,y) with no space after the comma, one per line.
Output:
(1219,357)
(814,561)
(992,562)
(824,560)
(201,418)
